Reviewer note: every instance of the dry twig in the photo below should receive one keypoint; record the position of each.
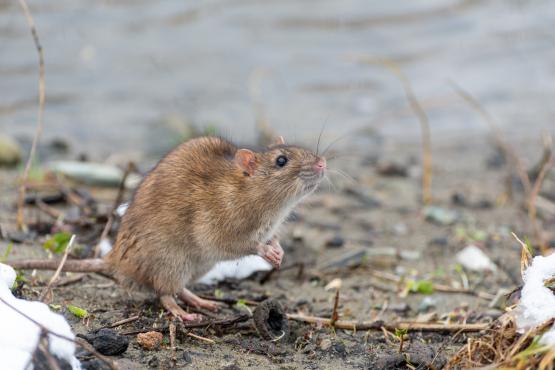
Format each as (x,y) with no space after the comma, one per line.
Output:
(38,46)
(378,324)
(47,289)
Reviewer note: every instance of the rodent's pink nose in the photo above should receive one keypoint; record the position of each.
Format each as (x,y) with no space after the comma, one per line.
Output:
(320,166)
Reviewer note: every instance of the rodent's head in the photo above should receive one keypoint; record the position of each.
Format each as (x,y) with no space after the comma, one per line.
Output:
(283,169)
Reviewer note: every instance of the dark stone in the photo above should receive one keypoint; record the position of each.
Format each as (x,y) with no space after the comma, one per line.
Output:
(392,169)
(484,204)
(441,241)
(496,160)
(336,241)
(20,236)
(153,362)
(108,342)
(187,357)
(94,364)
(458,199)
(402,307)
(339,349)
(40,361)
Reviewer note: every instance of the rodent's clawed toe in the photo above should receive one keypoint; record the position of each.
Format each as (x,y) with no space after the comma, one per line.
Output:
(271,252)
(169,303)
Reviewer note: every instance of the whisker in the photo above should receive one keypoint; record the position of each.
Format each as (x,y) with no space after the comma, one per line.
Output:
(342,156)
(321,132)
(330,184)
(342,137)
(343,174)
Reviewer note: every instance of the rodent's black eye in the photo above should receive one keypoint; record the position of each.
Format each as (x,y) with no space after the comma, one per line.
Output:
(281,161)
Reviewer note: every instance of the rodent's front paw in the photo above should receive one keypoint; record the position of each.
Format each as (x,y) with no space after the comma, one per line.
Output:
(271,252)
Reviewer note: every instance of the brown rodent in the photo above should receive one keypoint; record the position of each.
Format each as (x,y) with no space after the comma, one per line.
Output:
(206,201)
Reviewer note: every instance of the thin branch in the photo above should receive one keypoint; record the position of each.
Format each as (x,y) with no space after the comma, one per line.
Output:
(378,324)
(40,116)
(122,322)
(47,289)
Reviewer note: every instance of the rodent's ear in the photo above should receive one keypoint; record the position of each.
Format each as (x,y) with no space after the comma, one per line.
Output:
(279,140)
(246,161)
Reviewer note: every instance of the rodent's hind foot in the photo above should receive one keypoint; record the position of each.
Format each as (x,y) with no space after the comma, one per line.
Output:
(194,300)
(169,303)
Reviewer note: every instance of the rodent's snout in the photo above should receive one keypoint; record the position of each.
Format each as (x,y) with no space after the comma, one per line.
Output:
(320,165)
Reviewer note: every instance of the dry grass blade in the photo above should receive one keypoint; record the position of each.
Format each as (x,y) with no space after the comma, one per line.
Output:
(47,289)
(498,134)
(532,213)
(525,256)
(40,116)
(422,118)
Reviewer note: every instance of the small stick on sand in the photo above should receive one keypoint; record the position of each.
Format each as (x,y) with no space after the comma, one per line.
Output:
(378,324)
(207,340)
(21,193)
(172,342)
(335,314)
(47,289)
(121,322)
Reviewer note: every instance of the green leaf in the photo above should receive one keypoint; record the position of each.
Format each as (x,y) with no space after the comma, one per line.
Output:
(218,293)
(529,245)
(399,333)
(7,253)
(55,307)
(78,312)
(420,286)
(534,348)
(57,243)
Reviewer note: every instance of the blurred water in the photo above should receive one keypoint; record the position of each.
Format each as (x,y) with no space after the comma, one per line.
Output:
(117,70)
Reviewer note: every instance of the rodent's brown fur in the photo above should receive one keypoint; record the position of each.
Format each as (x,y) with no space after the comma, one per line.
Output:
(200,205)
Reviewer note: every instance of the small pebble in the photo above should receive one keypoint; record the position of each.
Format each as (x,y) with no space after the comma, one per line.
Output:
(336,241)
(10,151)
(187,357)
(150,340)
(108,342)
(325,344)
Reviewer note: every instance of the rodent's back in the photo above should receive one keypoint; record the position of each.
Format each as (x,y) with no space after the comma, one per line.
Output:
(158,229)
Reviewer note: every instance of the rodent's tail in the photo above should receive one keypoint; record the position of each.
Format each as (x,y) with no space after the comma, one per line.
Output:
(85,265)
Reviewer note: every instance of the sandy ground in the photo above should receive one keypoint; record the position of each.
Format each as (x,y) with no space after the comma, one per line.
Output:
(361,211)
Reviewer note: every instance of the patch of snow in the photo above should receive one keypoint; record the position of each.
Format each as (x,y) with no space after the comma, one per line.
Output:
(474,259)
(105,247)
(19,336)
(537,302)
(238,269)
(122,208)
